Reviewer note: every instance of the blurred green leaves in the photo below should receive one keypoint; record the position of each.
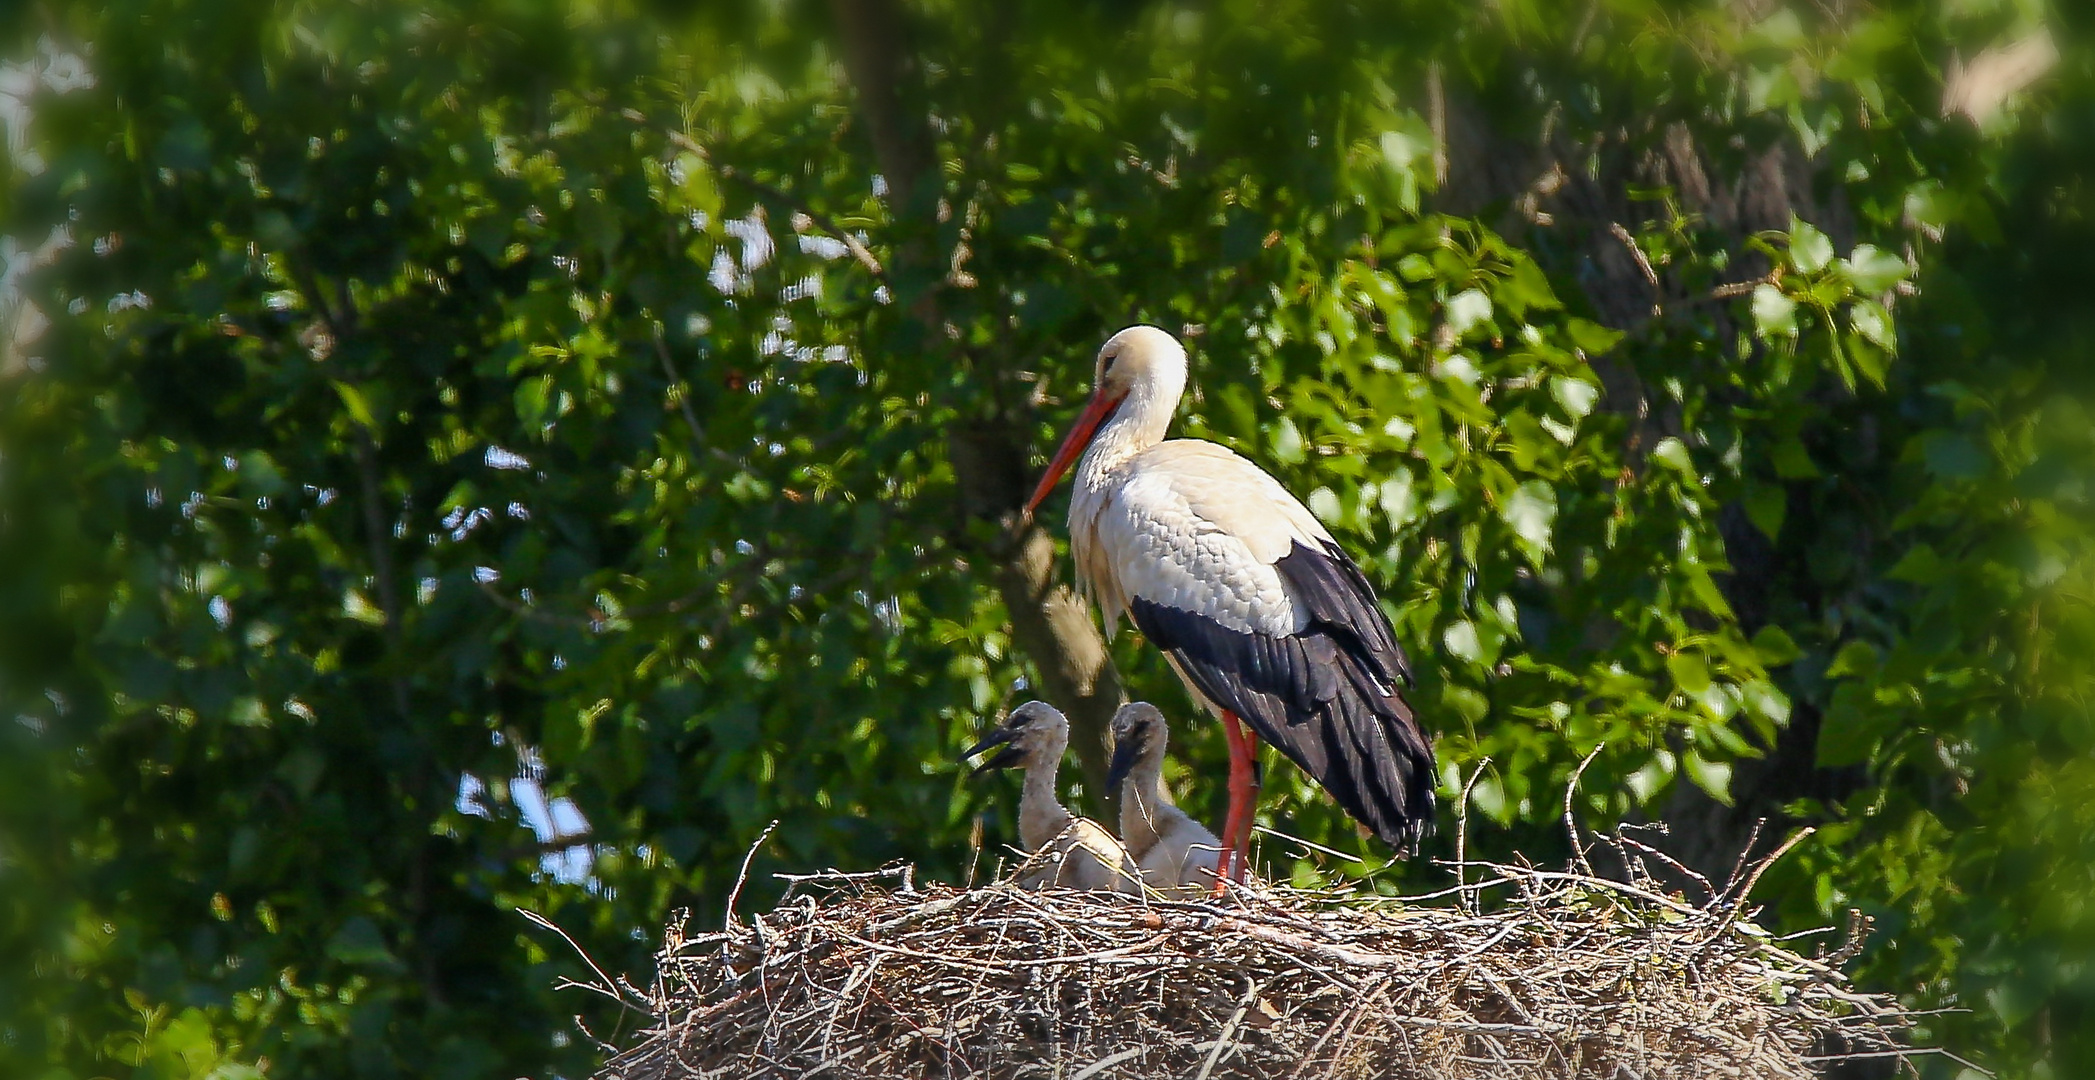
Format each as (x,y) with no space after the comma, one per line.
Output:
(447,405)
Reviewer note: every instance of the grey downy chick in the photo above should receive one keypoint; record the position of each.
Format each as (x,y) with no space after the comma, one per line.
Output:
(1174,852)
(1079,853)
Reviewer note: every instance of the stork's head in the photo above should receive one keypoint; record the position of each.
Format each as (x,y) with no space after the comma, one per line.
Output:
(1135,356)
(1138,739)
(1034,733)
(1141,372)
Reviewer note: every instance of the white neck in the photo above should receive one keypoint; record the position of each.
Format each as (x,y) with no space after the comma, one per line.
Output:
(1142,796)
(1041,817)
(1138,424)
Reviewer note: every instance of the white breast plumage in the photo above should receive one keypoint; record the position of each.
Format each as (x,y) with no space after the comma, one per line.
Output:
(1192,526)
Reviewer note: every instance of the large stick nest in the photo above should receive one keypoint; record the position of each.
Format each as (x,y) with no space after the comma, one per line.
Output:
(1565,975)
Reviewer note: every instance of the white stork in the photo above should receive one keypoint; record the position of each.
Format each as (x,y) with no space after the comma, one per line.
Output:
(1078,852)
(1175,853)
(1261,613)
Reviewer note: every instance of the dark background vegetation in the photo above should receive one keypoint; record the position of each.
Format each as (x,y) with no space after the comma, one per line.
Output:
(467,455)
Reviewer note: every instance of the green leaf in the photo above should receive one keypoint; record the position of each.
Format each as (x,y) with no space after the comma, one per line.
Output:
(1775,646)
(1403,148)
(1527,289)
(1873,322)
(359,409)
(1673,454)
(1464,703)
(1921,566)
(1782,30)
(1468,309)
(534,399)
(1652,777)
(1689,670)
(1809,249)
(1398,501)
(1324,503)
(359,942)
(1488,795)
(1872,270)
(2014,1001)
(357,606)
(1461,640)
(1792,461)
(1287,442)
(1577,396)
(1850,728)
(1928,203)
(1854,658)
(1766,507)
(1592,338)
(1774,315)
(1713,777)
(1764,700)
(1529,511)
(259,474)
(1954,456)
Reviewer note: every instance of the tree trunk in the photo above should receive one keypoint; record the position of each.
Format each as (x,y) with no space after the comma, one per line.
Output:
(1049,622)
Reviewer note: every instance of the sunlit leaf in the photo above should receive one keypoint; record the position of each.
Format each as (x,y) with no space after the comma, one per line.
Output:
(1774,314)
(1872,270)
(1467,309)
(1809,249)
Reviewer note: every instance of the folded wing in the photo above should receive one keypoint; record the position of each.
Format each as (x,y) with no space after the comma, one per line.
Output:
(1264,615)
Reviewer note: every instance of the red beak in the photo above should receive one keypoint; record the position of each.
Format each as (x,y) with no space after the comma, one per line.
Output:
(1073,446)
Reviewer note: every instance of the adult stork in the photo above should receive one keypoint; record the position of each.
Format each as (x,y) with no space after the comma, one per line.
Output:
(1259,611)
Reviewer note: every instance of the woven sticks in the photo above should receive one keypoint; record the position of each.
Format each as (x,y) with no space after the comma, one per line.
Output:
(1569,976)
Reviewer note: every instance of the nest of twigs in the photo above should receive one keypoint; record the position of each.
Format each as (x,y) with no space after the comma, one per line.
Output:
(1549,974)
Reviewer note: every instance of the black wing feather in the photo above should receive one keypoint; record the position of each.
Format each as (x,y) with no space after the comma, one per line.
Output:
(1330,697)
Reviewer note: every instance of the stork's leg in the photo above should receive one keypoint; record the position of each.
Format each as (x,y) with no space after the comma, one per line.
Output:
(1225,858)
(1242,792)
(1241,841)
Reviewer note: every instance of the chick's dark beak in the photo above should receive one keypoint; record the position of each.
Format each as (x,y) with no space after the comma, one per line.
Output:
(1125,751)
(1010,756)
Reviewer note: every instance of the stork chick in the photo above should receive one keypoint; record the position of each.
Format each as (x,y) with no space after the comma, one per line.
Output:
(1079,852)
(1174,852)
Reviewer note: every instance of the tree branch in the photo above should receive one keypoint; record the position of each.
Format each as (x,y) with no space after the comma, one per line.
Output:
(341,322)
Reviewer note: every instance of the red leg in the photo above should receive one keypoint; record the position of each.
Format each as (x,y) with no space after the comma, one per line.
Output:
(1236,827)
(1239,769)
(1241,842)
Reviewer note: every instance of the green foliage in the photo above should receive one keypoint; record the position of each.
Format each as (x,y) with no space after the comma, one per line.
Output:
(537,397)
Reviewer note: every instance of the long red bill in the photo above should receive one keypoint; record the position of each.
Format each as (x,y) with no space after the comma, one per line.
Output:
(1073,446)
